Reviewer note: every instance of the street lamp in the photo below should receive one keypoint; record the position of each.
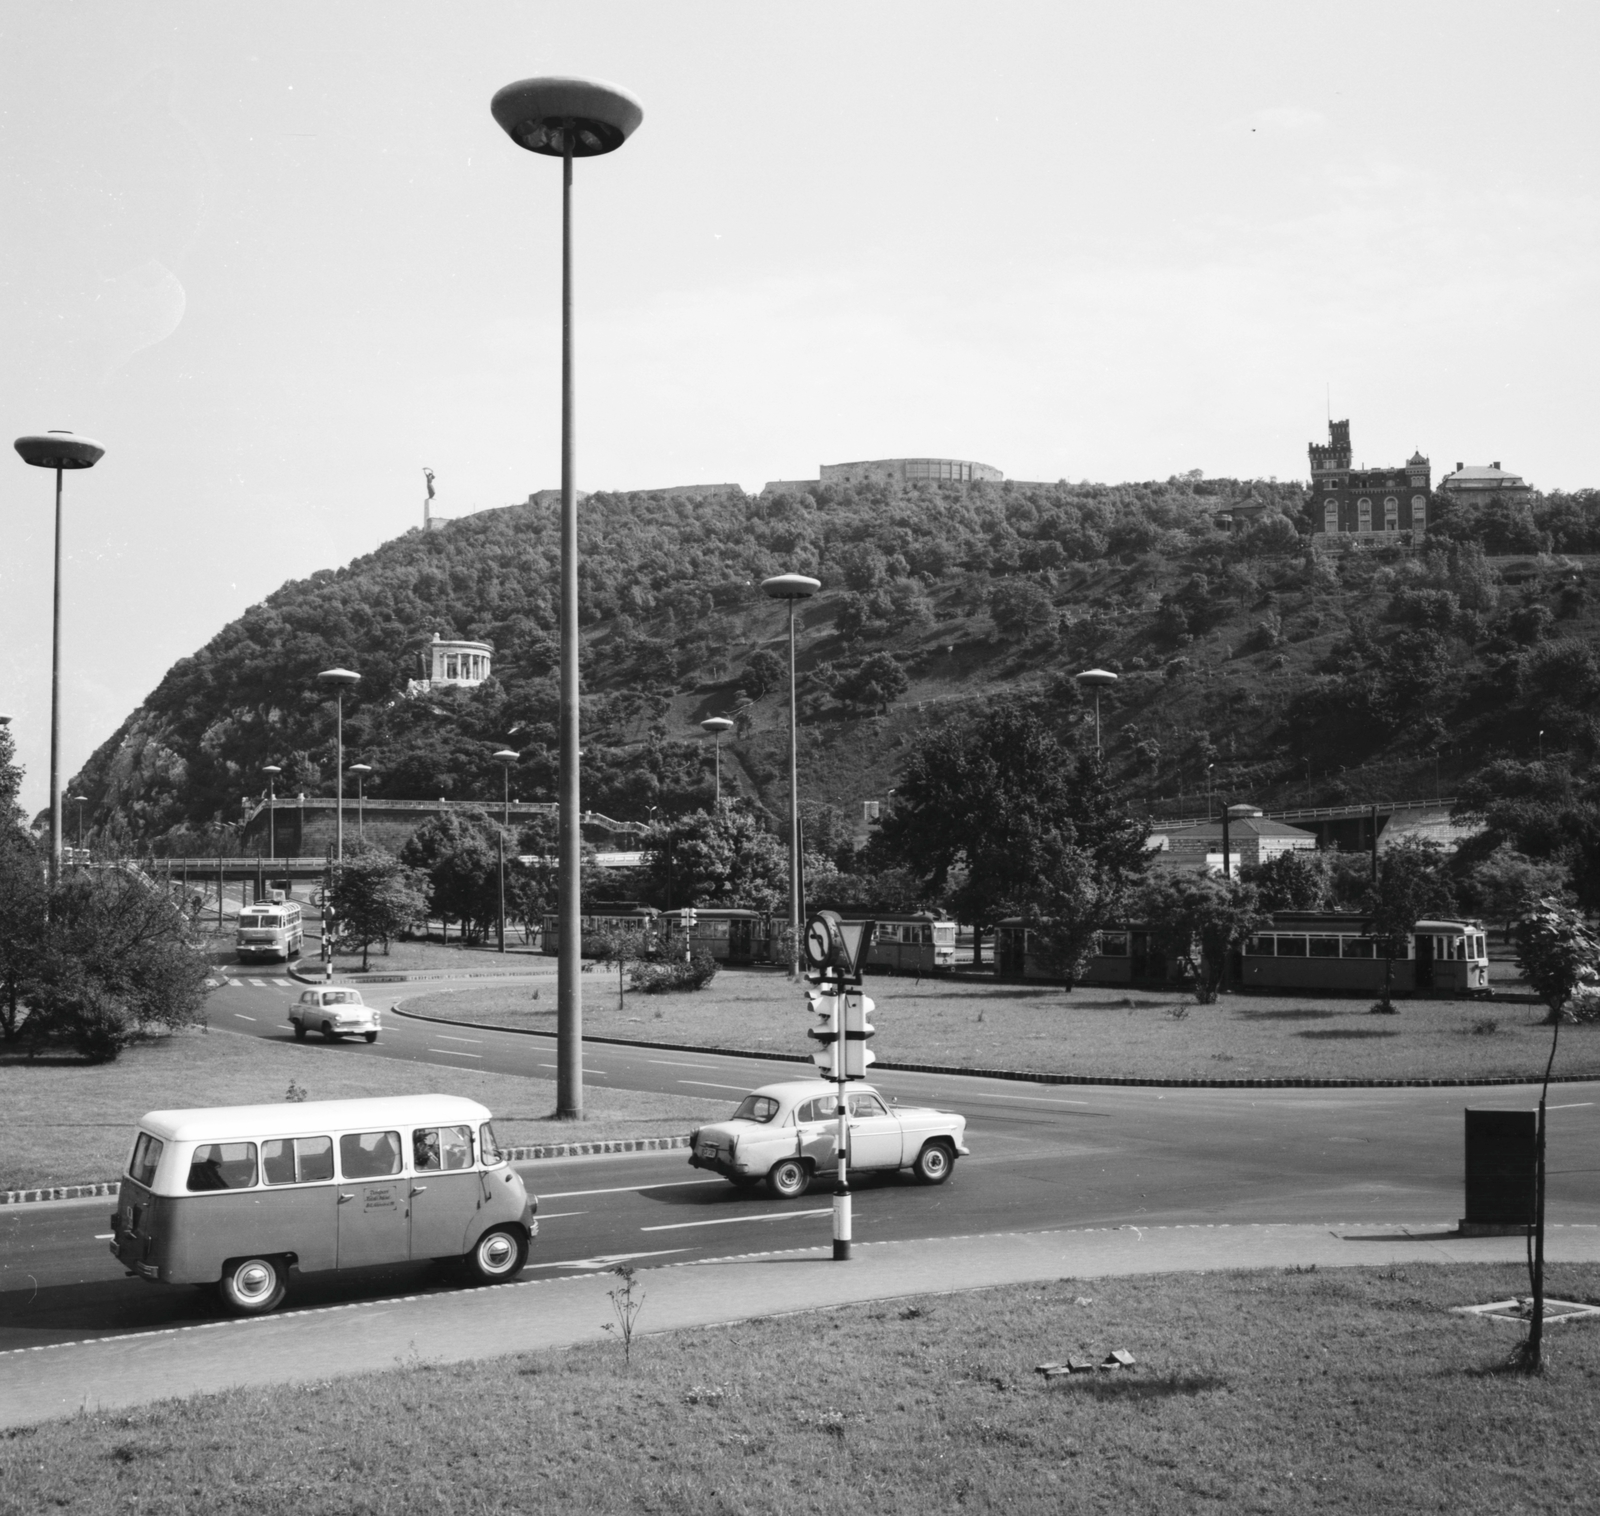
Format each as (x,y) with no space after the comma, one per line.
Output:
(340,680)
(717,725)
(568,118)
(78,800)
(793,587)
(60,451)
(505,758)
(271,770)
(1097,680)
(361,770)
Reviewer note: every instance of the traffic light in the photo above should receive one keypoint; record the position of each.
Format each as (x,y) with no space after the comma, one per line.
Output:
(827,1033)
(857,1029)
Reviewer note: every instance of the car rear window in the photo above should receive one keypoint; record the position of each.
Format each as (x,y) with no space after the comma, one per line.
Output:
(223,1166)
(756,1108)
(146,1155)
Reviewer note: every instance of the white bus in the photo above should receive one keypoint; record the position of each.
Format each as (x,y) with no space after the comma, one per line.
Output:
(269,930)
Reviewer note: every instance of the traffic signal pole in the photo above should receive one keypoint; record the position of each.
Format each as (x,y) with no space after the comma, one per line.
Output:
(841,1188)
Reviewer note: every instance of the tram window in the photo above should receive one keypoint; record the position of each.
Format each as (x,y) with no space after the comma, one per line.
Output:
(1113,944)
(1358,947)
(1478,948)
(1324,947)
(1291,947)
(1259,947)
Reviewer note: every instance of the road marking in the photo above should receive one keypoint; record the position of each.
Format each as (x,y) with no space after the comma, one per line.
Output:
(446,1037)
(670,1063)
(283,984)
(609,1261)
(678,1226)
(240,1016)
(707,1085)
(104,1236)
(625,1189)
(553,1215)
(260,984)
(1571,1106)
(1036,1099)
(452,1053)
(288,1026)
(587,1069)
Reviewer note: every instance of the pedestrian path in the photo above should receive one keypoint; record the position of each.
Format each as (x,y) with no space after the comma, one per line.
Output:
(290,1347)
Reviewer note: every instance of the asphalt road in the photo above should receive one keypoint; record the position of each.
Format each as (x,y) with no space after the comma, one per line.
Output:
(1043,1156)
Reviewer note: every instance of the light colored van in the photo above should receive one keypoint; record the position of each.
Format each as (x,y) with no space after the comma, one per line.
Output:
(238,1197)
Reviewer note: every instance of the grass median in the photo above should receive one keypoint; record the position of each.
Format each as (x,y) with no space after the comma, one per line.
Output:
(1351,1390)
(1093,1032)
(66,1122)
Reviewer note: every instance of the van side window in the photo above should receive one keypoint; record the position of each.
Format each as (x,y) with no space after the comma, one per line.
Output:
(488,1147)
(444,1147)
(369,1155)
(297,1160)
(146,1155)
(223,1166)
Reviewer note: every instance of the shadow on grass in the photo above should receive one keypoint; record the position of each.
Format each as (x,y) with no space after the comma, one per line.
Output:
(1347,1034)
(1294,1015)
(1114,1387)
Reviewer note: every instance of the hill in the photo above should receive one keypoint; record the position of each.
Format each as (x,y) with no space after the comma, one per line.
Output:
(1285,673)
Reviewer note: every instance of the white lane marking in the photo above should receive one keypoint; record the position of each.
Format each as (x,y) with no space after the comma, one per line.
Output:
(707,1085)
(587,1068)
(608,1261)
(283,984)
(288,1026)
(626,1189)
(446,1037)
(1036,1099)
(260,984)
(104,1236)
(452,1053)
(671,1063)
(240,1016)
(553,1215)
(678,1226)
(1570,1106)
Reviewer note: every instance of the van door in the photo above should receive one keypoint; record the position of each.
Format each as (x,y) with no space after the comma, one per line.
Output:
(446,1192)
(374,1209)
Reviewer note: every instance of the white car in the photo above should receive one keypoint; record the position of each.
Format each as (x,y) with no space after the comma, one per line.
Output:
(334,1013)
(786,1134)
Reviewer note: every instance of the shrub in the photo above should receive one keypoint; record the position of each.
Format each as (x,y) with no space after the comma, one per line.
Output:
(675,974)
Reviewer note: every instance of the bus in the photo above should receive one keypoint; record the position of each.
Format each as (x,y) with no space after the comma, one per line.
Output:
(914,943)
(269,929)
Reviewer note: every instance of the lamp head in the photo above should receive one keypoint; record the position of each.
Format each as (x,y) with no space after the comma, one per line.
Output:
(59,450)
(339,678)
(549,115)
(271,768)
(1097,677)
(716,725)
(360,768)
(507,755)
(790,586)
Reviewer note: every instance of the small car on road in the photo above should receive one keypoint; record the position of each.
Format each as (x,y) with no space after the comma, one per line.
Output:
(335,1013)
(786,1135)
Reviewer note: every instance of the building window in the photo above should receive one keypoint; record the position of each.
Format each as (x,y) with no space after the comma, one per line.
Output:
(1391,515)
(1364,515)
(1330,517)
(1419,514)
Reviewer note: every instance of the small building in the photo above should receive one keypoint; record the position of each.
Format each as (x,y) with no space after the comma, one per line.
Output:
(1252,839)
(1365,506)
(1472,482)
(453,664)
(892,471)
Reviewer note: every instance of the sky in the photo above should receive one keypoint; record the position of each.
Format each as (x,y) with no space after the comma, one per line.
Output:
(280,259)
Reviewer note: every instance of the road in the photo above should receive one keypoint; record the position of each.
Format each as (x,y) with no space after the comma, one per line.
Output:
(1043,1156)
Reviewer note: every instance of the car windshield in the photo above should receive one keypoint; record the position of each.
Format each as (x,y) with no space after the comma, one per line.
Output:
(341,997)
(756,1108)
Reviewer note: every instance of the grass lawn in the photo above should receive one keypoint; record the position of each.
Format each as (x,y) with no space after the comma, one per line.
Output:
(66,1122)
(1350,1391)
(1097,1032)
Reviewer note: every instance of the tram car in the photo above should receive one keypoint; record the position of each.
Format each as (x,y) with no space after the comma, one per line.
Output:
(730,934)
(1299,950)
(596,921)
(915,943)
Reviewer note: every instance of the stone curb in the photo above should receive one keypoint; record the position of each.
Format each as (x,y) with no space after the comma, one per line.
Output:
(419,976)
(112,1188)
(1023,1077)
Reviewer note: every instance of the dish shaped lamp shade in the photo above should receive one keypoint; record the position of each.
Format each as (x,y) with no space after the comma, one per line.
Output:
(359,768)
(716,725)
(339,676)
(546,115)
(59,450)
(790,587)
(508,755)
(1098,677)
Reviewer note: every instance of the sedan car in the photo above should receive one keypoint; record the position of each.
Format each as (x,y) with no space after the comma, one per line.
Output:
(334,1013)
(786,1134)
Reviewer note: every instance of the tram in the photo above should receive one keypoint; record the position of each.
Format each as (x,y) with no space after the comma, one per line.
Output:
(918,942)
(596,921)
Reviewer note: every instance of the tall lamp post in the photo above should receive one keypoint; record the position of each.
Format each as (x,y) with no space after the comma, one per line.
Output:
(60,451)
(793,587)
(272,770)
(1097,680)
(717,725)
(505,758)
(566,119)
(340,680)
(78,800)
(361,770)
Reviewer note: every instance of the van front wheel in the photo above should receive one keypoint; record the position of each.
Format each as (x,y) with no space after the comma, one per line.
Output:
(253,1286)
(499,1254)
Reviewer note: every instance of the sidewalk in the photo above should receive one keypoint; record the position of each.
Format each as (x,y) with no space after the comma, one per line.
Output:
(45,1382)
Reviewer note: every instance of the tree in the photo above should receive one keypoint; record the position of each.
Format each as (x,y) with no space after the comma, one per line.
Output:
(1020,607)
(728,858)
(457,853)
(1412,883)
(876,681)
(621,944)
(116,956)
(530,893)
(1200,919)
(765,671)
(1507,883)
(1558,952)
(23,914)
(375,897)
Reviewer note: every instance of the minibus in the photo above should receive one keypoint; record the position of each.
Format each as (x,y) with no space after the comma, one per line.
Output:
(269,929)
(240,1198)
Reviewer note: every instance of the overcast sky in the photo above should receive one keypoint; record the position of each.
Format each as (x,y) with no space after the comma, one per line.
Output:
(278,258)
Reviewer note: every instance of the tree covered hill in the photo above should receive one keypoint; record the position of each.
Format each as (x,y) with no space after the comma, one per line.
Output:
(1287,674)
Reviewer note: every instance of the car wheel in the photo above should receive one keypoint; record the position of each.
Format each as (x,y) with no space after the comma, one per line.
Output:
(788,1178)
(327,1032)
(934,1162)
(500,1253)
(252,1286)
(370,1036)
(299,1031)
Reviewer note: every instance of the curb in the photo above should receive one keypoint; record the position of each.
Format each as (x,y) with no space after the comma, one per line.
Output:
(420,976)
(1023,1077)
(111,1188)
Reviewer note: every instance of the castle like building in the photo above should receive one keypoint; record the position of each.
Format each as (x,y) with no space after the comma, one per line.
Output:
(453,664)
(1366,504)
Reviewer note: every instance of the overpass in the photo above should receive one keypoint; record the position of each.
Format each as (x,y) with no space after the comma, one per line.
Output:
(1352,828)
